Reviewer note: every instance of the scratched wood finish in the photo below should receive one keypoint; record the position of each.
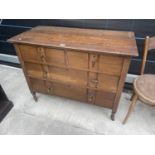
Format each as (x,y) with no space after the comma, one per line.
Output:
(81,64)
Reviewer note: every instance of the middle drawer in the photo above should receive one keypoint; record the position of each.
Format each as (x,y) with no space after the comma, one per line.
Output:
(103,82)
(57,74)
(74,77)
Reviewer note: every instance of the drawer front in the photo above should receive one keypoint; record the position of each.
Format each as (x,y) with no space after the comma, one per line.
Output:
(37,70)
(103,82)
(68,91)
(57,74)
(107,64)
(70,76)
(99,98)
(108,83)
(34,70)
(55,57)
(110,69)
(38,85)
(71,59)
(77,60)
(58,89)
(29,53)
(104,99)
(42,55)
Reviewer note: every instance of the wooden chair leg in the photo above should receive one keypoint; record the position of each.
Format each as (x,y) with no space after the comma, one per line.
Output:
(132,96)
(131,107)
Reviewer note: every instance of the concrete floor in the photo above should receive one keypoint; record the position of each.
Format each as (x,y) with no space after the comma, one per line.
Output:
(56,115)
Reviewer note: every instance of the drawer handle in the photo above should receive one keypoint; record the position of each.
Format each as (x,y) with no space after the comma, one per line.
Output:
(42,57)
(49,90)
(94,81)
(93,63)
(41,52)
(90,97)
(40,49)
(94,60)
(45,74)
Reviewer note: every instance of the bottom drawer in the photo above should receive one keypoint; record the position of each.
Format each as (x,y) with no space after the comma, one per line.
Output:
(38,85)
(104,99)
(99,98)
(68,91)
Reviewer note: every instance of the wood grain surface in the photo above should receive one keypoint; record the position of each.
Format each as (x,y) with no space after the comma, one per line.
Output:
(85,65)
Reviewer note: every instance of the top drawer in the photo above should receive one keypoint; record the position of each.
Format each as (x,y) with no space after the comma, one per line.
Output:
(103,63)
(56,57)
(107,64)
(29,53)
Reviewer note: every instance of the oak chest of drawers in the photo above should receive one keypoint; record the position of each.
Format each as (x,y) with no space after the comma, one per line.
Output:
(81,64)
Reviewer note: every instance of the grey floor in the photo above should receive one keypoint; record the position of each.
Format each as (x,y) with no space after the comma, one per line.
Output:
(55,115)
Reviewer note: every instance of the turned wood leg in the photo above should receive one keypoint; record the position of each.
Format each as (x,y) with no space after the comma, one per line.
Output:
(113,116)
(34,96)
(131,107)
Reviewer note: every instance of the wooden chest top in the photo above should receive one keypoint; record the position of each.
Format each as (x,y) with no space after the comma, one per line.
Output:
(101,41)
